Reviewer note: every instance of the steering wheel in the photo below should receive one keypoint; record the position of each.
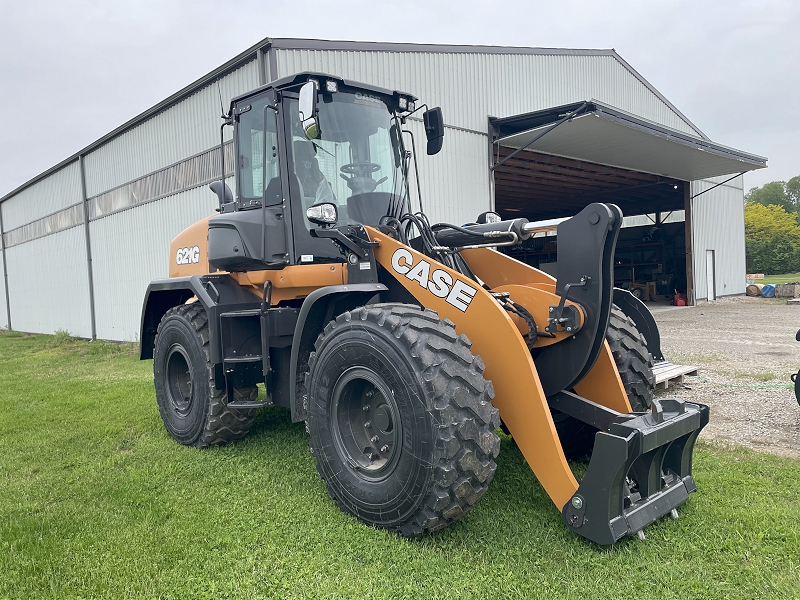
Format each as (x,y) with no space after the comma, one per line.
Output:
(359,168)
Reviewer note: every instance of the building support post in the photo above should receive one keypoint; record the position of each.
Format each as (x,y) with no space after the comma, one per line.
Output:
(490,134)
(5,267)
(82,169)
(687,207)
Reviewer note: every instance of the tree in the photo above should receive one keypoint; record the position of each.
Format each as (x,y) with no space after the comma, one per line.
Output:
(772,239)
(775,193)
(793,190)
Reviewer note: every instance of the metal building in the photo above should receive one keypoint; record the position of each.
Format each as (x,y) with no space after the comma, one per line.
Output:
(81,241)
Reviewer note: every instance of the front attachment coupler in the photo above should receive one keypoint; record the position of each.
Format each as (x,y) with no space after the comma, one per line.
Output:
(641,470)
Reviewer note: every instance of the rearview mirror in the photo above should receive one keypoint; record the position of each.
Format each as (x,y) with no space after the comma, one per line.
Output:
(434,129)
(308,109)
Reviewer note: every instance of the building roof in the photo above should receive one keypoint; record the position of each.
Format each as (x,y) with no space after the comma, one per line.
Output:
(264,51)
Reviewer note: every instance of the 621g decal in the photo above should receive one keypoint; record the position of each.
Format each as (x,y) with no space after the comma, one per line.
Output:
(187,256)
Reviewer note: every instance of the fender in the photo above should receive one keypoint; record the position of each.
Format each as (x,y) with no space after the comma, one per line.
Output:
(319,307)
(215,292)
(643,319)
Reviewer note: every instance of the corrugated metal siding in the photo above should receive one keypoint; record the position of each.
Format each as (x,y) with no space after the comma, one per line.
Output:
(59,190)
(470,87)
(188,128)
(718,224)
(48,284)
(455,182)
(130,249)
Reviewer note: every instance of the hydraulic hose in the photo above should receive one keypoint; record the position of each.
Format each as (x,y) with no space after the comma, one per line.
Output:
(487,234)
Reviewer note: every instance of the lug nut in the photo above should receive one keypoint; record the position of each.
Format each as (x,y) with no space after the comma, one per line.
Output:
(366,407)
(369,394)
(370,456)
(374,439)
(384,448)
(368,424)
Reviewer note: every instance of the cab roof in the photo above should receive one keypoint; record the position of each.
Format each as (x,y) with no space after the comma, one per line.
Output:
(300,78)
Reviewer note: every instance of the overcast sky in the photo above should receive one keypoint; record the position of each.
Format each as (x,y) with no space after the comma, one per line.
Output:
(71,71)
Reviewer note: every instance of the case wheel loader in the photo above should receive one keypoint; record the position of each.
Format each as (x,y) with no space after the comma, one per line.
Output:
(405,345)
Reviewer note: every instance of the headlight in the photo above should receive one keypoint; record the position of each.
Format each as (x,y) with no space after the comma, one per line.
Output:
(322,214)
(489,217)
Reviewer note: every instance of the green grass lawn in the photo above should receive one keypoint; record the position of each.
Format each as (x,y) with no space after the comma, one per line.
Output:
(97,501)
(782,278)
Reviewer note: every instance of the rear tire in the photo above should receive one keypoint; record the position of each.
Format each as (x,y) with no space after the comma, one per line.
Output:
(635,366)
(194,412)
(400,418)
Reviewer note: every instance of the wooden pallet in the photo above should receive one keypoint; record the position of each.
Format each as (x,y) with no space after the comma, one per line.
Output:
(667,373)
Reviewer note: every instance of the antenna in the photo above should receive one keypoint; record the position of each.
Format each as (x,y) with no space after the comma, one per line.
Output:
(221,105)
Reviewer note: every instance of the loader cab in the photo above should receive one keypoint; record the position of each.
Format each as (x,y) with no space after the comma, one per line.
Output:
(353,158)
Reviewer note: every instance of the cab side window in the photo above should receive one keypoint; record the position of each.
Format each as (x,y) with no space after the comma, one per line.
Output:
(258,165)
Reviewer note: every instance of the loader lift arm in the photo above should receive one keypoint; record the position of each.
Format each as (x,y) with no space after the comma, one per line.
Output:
(641,469)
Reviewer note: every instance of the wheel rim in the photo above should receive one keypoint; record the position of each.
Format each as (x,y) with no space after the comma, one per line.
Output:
(365,423)
(179,381)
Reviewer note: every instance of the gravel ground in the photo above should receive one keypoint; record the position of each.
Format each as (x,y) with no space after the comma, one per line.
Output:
(745,351)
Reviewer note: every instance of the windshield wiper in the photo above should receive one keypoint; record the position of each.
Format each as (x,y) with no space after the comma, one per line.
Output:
(318,147)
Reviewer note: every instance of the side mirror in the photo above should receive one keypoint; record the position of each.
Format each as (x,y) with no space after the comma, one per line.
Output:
(322,214)
(434,129)
(308,109)
(222,191)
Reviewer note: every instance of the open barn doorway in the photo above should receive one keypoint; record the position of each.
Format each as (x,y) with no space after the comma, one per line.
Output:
(550,164)
(650,258)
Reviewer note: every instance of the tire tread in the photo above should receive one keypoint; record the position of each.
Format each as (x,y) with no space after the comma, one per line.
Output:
(222,424)
(460,406)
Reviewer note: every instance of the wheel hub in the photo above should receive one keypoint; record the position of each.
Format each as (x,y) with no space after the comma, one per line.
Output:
(179,381)
(364,422)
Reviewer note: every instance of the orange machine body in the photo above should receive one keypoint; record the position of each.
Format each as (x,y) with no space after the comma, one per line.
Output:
(496,335)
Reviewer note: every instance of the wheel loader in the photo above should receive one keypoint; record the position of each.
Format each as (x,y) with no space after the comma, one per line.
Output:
(404,345)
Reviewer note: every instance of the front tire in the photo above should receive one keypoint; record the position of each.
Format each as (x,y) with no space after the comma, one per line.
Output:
(634,362)
(194,412)
(635,366)
(400,418)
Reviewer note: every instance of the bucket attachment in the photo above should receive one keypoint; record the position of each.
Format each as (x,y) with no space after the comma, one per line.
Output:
(641,466)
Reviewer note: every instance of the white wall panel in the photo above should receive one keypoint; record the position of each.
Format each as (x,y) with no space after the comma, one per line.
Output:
(188,128)
(58,190)
(471,86)
(455,182)
(48,284)
(130,249)
(718,224)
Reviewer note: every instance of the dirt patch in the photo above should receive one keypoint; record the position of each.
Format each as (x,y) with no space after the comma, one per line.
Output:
(745,349)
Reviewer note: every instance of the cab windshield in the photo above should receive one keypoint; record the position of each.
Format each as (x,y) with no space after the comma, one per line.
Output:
(355,162)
